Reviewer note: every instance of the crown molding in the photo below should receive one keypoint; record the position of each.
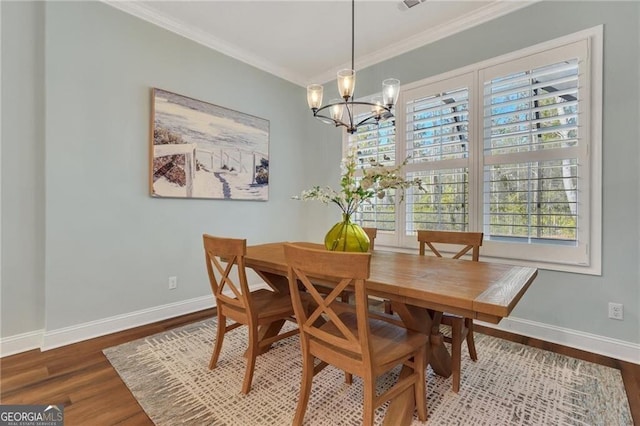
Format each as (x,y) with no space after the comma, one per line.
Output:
(202,37)
(479,16)
(491,11)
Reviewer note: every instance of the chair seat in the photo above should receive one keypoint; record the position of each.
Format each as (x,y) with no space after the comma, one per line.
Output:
(267,304)
(389,342)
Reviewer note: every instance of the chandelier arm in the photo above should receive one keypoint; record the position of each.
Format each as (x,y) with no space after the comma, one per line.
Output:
(376,117)
(366,120)
(351,127)
(330,119)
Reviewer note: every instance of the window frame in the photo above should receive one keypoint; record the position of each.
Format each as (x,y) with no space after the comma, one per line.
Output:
(585,259)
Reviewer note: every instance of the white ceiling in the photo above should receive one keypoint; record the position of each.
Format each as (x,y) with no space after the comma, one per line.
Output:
(307,41)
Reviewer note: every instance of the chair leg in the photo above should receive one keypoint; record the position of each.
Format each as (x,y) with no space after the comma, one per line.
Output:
(420,387)
(222,325)
(252,353)
(456,353)
(387,307)
(369,394)
(305,389)
(348,378)
(470,342)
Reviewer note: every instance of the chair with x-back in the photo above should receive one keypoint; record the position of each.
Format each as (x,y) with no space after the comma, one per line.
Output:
(372,233)
(461,328)
(344,336)
(235,301)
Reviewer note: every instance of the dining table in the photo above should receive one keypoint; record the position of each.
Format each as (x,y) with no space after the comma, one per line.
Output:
(421,289)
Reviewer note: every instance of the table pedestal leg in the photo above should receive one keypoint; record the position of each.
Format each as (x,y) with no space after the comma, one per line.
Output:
(277,283)
(267,331)
(400,411)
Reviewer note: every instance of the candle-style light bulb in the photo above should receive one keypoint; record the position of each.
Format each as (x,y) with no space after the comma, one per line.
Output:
(337,110)
(390,91)
(346,83)
(377,107)
(314,96)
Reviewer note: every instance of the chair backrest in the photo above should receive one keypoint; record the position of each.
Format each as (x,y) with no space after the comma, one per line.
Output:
(372,233)
(310,266)
(231,251)
(470,241)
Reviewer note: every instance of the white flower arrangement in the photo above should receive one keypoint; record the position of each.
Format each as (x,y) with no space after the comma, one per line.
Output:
(375,181)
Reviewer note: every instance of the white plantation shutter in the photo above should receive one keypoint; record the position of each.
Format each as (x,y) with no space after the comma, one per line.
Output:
(378,213)
(535,156)
(375,143)
(444,205)
(438,125)
(436,129)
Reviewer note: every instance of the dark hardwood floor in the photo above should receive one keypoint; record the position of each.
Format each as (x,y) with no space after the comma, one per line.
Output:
(80,377)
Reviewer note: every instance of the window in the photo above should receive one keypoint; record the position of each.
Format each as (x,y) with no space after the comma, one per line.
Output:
(510,147)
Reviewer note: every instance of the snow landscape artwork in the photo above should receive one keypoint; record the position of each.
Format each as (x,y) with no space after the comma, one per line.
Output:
(201,150)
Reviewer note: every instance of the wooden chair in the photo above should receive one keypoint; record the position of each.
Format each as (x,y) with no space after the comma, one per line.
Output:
(235,301)
(372,233)
(461,328)
(344,335)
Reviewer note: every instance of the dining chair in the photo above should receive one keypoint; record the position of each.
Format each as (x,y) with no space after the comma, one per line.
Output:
(344,336)
(372,233)
(235,301)
(461,328)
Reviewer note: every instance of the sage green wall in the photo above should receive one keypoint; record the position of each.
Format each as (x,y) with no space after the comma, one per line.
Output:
(573,301)
(95,245)
(22,168)
(108,245)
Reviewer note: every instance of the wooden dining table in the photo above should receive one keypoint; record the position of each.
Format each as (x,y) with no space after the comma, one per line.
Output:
(420,289)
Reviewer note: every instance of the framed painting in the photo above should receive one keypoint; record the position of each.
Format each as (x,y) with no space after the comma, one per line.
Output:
(201,150)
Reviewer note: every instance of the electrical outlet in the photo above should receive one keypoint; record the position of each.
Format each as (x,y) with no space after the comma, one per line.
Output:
(173,283)
(616,311)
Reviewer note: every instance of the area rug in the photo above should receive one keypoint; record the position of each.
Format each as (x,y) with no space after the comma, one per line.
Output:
(510,384)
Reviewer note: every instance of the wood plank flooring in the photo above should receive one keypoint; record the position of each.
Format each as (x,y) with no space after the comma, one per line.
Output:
(80,377)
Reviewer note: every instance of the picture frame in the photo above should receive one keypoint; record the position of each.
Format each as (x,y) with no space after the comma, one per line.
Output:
(201,150)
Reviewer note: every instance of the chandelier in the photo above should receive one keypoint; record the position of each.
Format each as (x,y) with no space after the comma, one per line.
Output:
(349,113)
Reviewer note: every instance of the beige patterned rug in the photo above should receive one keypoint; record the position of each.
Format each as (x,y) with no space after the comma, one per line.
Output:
(510,384)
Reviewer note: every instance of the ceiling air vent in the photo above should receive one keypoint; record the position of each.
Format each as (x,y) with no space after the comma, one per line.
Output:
(411,3)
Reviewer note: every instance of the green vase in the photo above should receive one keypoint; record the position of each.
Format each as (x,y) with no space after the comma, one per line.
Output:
(346,236)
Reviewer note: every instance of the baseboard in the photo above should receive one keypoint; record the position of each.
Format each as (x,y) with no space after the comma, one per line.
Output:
(21,343)
(65,336)
(46,340)
(614,348)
